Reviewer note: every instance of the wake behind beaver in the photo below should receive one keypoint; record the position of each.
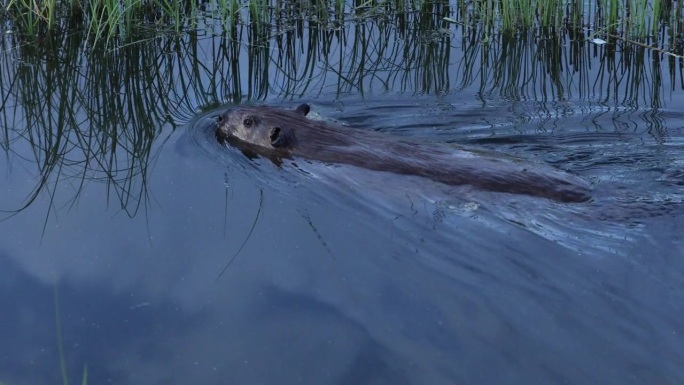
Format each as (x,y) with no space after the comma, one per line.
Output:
(278,134)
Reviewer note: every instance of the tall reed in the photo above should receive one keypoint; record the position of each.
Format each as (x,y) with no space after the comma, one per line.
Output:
(110,19)
(33,17)
(101,117)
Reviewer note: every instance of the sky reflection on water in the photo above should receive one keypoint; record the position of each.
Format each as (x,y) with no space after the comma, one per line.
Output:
(348,276)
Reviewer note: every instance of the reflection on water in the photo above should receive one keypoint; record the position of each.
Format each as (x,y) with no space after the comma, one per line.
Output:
(115,190)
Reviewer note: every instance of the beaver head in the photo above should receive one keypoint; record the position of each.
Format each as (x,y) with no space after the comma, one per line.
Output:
(262,127)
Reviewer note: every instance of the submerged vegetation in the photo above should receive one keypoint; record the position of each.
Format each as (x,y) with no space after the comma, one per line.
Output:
(60,345)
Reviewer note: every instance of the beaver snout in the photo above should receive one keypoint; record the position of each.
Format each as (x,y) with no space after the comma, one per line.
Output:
(224,117)
(222,132)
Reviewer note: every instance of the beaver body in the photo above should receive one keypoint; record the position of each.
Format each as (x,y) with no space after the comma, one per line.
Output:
(276,133)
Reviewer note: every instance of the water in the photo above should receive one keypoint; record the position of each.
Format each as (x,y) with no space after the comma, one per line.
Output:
(342,275)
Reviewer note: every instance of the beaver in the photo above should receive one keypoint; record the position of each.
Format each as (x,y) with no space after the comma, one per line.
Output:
(284,134)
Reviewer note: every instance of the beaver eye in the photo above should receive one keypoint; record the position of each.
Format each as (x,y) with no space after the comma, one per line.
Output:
(248,122)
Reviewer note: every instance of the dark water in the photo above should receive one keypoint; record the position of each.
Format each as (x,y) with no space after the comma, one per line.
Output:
(346,276)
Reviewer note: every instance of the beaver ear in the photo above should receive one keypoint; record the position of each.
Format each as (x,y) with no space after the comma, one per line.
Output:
(279,138)
(303,109)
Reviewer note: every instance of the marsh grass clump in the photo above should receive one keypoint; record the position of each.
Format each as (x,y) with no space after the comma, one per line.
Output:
(103,20)
(638,19)
(33,17)
(106,20)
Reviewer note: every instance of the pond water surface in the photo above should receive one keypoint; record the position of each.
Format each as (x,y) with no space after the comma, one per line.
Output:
(347,276)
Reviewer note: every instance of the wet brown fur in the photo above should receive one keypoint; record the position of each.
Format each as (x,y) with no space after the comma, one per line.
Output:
(277,133)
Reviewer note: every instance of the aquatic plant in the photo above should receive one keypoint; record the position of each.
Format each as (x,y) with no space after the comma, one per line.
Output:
(60,345)
(94,128)
(108,20)
(96,117)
